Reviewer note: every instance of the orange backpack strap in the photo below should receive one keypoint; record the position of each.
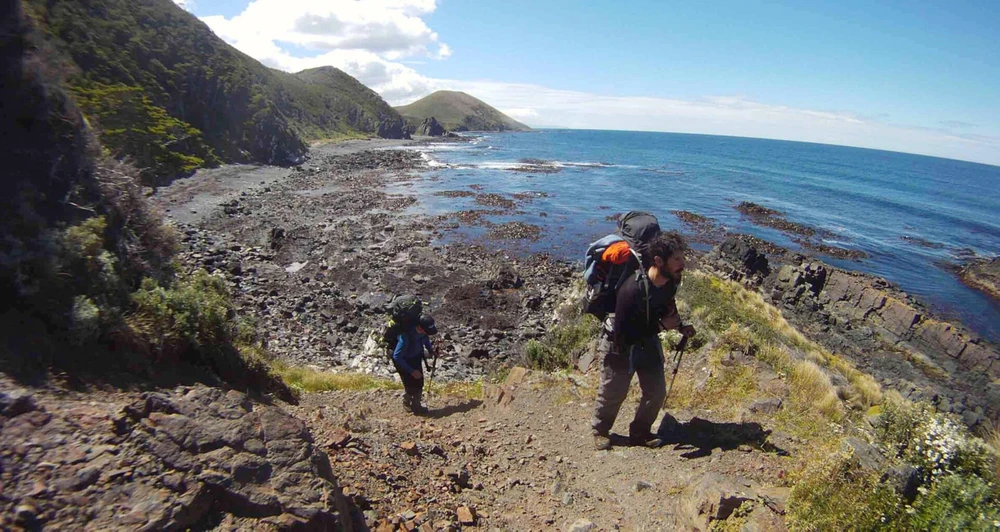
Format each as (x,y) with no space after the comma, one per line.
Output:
(617,253)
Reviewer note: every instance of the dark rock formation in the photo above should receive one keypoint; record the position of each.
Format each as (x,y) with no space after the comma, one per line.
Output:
(430,128)
(188,458)
(881,329)
(983,275)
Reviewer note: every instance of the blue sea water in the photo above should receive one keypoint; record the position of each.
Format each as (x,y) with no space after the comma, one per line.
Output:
(868,199)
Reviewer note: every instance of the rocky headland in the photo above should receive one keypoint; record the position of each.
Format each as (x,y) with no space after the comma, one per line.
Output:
(982,274)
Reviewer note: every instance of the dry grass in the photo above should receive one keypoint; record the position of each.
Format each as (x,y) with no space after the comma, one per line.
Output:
(311,380)
(739,320)
(811,387)
(992,438)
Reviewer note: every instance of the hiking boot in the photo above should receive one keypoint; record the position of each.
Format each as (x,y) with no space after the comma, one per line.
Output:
(602,443)
(419,409)
(651,441)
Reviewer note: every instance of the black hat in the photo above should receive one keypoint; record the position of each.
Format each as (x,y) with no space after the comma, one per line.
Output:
(427,324)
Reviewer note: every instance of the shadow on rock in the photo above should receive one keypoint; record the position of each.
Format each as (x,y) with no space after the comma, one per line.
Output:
(702,436)
(449,410)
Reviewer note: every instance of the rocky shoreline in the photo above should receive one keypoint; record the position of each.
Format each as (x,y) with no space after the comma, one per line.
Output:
(316,256)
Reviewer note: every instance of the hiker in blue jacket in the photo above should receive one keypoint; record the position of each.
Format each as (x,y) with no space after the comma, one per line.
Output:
(408,356)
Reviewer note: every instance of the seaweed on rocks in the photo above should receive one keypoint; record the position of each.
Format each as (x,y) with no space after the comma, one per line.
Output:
(705,229)
(806,236)
(515,231)
(540,166)
(922,242)
(495,200)
(455,194)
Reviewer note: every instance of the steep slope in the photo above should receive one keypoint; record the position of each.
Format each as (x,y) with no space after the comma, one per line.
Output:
(457,111)
(173,96)
(369,113)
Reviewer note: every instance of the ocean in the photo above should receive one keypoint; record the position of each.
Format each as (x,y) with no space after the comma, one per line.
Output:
(910,214)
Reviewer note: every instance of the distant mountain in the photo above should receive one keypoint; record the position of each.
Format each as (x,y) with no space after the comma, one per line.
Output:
(457,111)
(169,93)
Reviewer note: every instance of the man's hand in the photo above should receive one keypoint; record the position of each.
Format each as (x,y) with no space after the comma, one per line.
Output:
(416,374)
(688,331)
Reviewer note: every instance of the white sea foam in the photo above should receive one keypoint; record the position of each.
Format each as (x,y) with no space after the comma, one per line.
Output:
(432,162)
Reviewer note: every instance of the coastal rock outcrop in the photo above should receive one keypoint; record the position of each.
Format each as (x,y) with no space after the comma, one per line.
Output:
(983,275)
(881,329)
(430,127)
(167,460)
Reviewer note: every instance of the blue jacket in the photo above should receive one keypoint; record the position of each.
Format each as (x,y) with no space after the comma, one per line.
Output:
(410,350)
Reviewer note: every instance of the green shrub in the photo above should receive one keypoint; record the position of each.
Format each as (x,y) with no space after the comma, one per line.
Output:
(561,344)
(194,319)
(193,314)
(955,502)
(837,493)
(85,259)
(85,321)
(934,442)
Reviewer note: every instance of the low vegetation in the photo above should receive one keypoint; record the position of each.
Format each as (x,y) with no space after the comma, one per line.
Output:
(955,472)
(562,345)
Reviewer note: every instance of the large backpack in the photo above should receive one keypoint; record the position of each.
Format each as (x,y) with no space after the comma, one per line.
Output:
(613,258)
(404,313)
(405,310)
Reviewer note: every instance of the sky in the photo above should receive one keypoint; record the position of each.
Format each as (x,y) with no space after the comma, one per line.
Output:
(910,76)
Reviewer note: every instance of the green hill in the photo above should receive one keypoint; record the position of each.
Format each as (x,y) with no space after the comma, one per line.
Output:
(167,92)
(457,111)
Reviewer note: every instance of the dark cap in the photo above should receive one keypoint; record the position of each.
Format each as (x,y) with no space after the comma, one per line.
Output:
(427,324)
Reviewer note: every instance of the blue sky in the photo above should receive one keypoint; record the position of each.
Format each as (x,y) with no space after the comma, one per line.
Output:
(908,76)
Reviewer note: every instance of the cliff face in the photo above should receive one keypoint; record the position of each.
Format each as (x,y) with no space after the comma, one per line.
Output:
(879,328)
(148,65)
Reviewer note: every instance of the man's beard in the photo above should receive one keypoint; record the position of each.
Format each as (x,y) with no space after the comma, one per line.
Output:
(675,277)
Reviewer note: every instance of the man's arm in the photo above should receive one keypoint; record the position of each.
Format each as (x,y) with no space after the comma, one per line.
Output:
(397,355)
(672,320)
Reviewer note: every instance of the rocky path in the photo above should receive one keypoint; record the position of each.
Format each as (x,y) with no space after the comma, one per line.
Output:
(522,458)
(193,457)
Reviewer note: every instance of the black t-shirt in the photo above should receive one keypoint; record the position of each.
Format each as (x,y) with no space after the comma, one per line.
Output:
(632,324)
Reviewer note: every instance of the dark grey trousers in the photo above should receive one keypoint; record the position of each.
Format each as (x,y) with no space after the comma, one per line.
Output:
(646,361)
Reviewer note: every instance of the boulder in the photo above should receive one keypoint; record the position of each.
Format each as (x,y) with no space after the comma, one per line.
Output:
(752,261)
(712,497)
(178,457)
(581,525)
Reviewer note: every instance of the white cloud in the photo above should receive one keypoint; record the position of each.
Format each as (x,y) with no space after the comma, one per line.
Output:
(365,38)
(520,113)
(188,5)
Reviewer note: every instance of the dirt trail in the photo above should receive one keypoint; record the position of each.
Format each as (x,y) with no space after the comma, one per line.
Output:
(522,458)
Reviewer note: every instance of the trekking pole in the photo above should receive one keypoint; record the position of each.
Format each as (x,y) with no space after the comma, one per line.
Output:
(430,371)
(680,354)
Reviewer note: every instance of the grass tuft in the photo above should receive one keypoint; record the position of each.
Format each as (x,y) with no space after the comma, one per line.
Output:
(811,388)
(311,380)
